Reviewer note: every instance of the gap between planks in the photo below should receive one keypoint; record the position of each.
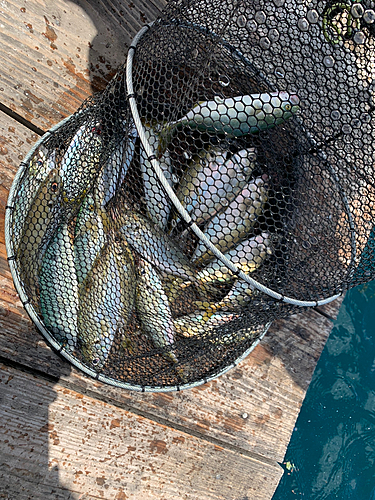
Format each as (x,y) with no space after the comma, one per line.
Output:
(18,118)
(136,411)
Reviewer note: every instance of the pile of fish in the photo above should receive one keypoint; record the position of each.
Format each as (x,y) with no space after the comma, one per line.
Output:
(94,268)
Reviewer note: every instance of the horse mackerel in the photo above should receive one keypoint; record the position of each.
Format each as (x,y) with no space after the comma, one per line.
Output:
(150,241)
(213,180)
(153,309)
(59,289)
(236,116)
(106,301)
(229,227)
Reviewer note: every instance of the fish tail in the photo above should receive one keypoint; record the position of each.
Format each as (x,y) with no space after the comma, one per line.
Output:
(209,307)
(127,344)
(171,356)
(165,137)
(181,374)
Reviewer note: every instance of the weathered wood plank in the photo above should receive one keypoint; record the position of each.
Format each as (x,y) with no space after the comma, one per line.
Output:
(53,53)
(253,406)
(268,387)
(53,438)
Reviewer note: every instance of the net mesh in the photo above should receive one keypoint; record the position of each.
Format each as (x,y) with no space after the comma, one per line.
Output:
(153,248)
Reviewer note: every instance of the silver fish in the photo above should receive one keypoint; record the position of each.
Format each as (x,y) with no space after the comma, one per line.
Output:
(228,328)
(247,256)
(44,216)
(92,226)
(153,310)
(106,301)
(206,325)
(192,324)
(230,226)
(116,168)
(213,181)
(237,116)
(154,245)
(37,170)
(80,164)
(157,201)
(59,289)
(239,296)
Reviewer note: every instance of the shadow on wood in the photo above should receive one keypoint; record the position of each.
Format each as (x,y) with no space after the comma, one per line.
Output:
(116,23)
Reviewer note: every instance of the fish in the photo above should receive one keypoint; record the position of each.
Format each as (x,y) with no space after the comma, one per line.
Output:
(228,328)
(43,218)
(59,289)
(154,311)
(235,116)
(213,327)
(106,301)
(117,166)
(192,325)
(91,228)
(150,241)
(36,171)
(157,201)
(81,163)
(247,256)
(239,296)
(214,180)
(229,227)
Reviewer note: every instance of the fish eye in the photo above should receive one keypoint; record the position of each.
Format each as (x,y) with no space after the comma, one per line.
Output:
(95,361)
(287,107)
(54,187)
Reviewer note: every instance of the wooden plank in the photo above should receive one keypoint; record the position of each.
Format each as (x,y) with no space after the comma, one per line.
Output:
(253,406)
(53,54)
(54,438)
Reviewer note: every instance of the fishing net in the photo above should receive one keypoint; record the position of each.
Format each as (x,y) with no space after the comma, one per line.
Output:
(223,179)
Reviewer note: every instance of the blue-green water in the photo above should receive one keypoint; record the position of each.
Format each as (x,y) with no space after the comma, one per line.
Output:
(331,454)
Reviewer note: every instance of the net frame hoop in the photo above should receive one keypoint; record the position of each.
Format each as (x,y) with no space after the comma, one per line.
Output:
(177,204)
(34,316)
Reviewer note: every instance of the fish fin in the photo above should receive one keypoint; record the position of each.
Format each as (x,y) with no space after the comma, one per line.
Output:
(181,374)
(165,137)
(209,307)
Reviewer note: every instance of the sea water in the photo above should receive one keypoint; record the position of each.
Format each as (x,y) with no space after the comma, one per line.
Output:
(331,454)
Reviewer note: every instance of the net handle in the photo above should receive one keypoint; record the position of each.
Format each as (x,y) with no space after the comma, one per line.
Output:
(181,210)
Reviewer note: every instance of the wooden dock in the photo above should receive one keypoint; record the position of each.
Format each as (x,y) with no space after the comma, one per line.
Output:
(64,435)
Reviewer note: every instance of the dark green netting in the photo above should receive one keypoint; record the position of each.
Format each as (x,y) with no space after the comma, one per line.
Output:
(222,180)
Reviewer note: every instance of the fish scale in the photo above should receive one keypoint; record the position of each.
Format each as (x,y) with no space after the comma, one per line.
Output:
(44,217)
(106,301)
(59,289)
(153,309)
(228,227)
(214,179)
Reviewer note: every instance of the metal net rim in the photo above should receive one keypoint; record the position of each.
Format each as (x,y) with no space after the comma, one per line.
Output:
(178,206)
(44,331)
